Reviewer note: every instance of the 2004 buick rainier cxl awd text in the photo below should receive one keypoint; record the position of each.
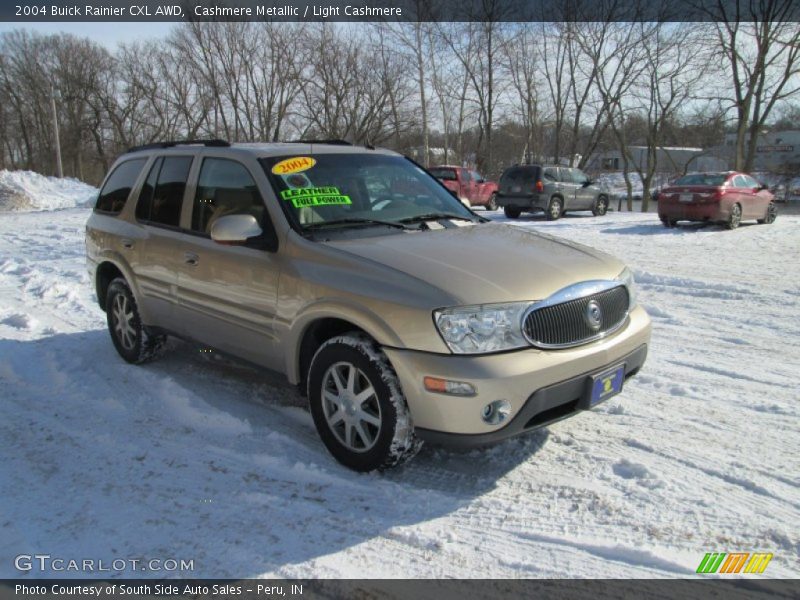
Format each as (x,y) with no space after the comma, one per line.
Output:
(401,314)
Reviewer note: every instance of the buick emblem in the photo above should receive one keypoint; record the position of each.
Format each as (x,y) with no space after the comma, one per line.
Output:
(593,315)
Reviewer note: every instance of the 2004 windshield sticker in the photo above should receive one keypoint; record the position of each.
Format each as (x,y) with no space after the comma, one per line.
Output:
(315,196)
(296,164)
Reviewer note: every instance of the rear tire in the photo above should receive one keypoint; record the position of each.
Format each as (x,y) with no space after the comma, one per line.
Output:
(134,342)
(512,212)
(772,214)
(492,204)
(735,218)
(600,207)
(358,407)
(668,223)
(554,209)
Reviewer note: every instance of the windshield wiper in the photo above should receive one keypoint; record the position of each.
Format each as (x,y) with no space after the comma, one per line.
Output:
(355,221)
(434,217)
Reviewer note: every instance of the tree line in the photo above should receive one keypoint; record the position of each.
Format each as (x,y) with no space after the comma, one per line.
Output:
(486,93)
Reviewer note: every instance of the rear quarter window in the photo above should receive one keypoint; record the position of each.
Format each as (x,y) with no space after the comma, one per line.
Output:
(118,186)
(443,174)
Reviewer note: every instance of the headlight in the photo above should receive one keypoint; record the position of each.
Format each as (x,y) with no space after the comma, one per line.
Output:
(482,328)
(626,277)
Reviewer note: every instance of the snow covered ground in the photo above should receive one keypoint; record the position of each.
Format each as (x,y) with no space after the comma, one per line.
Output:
(196,457)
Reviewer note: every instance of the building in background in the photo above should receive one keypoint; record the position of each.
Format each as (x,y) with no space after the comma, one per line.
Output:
(668,160)
(776,152)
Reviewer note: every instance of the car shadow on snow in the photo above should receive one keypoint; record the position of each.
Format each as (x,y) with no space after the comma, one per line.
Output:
(198,457)
(657,228)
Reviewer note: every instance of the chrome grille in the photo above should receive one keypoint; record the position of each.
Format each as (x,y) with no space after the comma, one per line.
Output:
(565,324)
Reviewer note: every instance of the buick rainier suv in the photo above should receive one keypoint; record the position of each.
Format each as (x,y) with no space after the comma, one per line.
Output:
(357,275)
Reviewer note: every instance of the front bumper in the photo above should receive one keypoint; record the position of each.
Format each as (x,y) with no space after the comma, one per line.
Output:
(532,381)
(546,405)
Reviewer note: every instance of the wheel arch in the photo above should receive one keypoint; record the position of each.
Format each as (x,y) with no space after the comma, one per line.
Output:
(106,272)
(313,335)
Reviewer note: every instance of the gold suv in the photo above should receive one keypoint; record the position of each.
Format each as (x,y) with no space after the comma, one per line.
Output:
(400,313)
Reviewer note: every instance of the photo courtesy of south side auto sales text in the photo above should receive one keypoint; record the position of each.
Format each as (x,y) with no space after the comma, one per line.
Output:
(158,589)
(44,11)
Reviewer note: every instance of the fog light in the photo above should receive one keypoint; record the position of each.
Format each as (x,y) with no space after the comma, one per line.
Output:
(496,412)
(445,386)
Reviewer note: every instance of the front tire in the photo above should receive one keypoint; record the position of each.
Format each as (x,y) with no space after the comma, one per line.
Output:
(772,214)
(512,212)
(554,209)
(600,207)
(735,218)
(492,204)
(133,341)
(358,407)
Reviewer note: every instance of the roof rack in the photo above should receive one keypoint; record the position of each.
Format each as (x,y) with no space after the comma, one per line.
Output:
(329,142)
(213,143)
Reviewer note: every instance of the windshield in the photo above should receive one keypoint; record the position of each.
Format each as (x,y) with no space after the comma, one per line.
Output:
(358,189)
(701,179)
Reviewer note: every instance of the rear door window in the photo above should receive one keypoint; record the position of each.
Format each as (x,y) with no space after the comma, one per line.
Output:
(163,205)
(579,176)
(146,195)
(740,182)
(118,186)
(550,174)
(750,182)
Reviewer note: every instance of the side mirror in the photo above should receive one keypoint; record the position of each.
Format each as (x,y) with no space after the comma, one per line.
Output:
(235,229)
(587,183)
(762,187)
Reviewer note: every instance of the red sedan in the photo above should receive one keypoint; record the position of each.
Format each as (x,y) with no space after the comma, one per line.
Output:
(727,198)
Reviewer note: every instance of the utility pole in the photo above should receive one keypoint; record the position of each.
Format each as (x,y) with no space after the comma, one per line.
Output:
(59,166)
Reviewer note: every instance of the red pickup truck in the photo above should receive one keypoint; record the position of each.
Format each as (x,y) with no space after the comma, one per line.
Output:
(472,189)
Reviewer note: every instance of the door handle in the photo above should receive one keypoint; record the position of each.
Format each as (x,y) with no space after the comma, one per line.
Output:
(190,258)
(126,243)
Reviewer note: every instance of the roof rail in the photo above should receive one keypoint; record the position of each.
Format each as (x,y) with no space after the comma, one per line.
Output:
(213,143)
(330,142)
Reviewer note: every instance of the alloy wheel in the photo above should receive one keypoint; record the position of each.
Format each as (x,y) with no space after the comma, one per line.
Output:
(351,408)
(122,316)
(735,217)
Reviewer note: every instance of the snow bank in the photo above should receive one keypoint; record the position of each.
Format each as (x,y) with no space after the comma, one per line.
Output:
(29,191)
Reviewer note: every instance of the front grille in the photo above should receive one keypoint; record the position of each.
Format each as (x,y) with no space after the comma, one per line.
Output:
(565,324)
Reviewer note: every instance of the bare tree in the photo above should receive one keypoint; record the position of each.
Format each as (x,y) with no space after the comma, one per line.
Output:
(478,46)
(674,65)
(349,90)
(761,46)
(414,42)
(522,53)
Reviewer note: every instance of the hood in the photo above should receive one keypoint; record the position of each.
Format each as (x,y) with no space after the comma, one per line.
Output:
(488,262)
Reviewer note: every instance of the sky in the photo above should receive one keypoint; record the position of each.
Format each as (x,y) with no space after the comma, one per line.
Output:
(107,34)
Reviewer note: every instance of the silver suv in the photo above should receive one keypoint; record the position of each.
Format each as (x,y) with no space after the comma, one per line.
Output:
(354,272)
(553,190)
